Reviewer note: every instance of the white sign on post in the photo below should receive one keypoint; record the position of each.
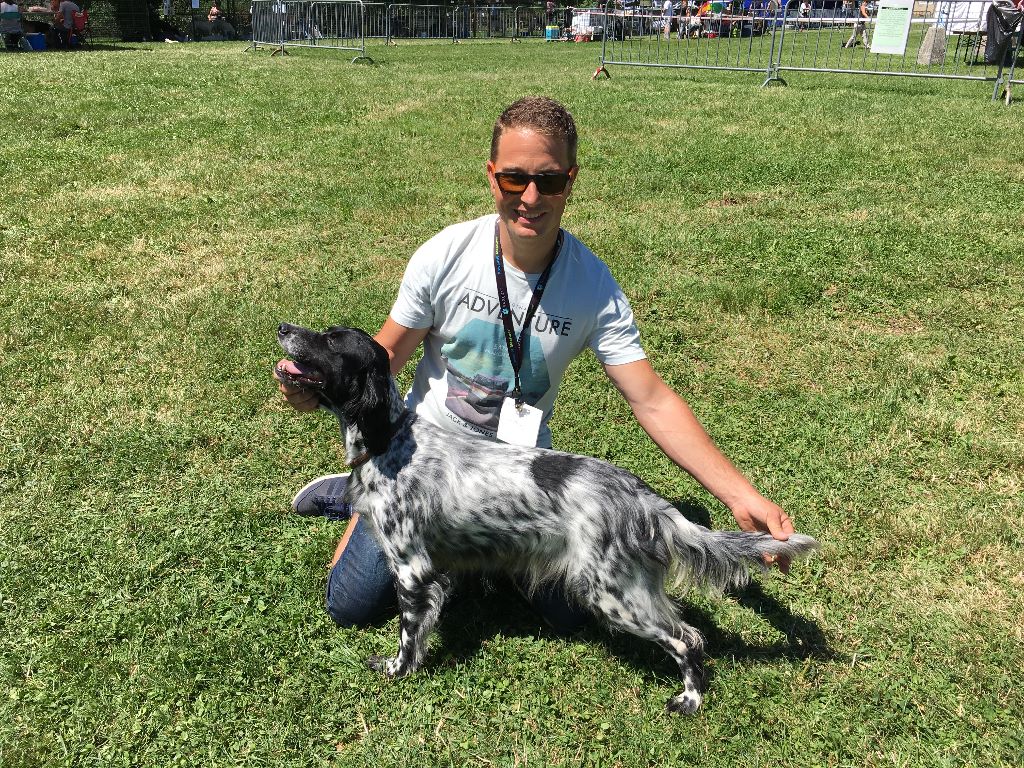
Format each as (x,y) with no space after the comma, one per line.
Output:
(892,26)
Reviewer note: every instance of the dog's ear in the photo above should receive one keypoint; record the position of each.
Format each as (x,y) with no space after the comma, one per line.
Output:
(372,410)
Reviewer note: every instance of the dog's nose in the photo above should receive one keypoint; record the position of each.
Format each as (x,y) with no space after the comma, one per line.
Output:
(283,329)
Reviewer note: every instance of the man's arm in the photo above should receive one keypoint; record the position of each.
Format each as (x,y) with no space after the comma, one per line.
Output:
(400,342)
(668,420)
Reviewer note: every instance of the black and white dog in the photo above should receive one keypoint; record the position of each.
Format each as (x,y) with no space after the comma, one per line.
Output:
(442,502)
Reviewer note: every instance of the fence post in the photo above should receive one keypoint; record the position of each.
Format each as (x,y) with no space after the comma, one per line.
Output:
(1007,93)
(283,14)
(362,35)
(775,60)
(604,48)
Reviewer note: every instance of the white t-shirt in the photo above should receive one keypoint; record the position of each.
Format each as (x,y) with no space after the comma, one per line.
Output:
(668,9)
(10,18)
(68,10)
(449,287)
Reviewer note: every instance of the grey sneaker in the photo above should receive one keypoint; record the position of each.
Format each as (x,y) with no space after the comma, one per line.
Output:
(323,497)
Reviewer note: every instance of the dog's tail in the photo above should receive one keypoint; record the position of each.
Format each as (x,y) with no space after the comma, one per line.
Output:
(720,560)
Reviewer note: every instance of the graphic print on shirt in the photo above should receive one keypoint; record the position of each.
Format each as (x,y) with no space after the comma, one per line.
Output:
(478,370)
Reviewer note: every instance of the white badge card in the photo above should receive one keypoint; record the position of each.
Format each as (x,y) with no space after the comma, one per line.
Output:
(519,425)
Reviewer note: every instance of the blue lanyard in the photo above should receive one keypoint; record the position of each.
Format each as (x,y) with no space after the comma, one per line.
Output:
(512,341)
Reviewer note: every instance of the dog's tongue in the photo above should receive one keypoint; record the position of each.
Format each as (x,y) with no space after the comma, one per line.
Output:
(289,366)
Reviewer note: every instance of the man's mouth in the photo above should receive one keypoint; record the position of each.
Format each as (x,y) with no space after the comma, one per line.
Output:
(299,375)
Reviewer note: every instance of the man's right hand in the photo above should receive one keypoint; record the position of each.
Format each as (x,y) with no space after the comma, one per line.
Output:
(298,398)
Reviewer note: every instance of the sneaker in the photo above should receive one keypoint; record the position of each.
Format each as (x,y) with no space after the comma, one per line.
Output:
(323,497)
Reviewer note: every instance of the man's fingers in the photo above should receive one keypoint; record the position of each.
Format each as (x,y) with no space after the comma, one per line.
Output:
(780,526)
(298,398)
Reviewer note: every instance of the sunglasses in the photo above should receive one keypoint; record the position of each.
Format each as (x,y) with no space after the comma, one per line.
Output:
(547,183)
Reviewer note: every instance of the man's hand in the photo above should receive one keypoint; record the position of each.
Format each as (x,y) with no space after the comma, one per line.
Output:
(761,514)
(300,399)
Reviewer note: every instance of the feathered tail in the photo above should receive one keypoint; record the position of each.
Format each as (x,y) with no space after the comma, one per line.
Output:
(719,560)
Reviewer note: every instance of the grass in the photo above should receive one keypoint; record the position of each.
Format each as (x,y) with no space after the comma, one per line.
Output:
(829,272)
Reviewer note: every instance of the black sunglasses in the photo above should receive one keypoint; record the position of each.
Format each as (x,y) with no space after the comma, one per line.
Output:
(547,183)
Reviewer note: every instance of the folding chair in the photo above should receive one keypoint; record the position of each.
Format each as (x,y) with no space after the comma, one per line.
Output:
(80,33)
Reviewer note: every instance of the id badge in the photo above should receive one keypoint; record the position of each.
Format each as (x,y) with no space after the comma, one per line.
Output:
(519,426)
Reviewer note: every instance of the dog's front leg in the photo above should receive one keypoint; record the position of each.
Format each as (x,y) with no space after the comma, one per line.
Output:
(421,595)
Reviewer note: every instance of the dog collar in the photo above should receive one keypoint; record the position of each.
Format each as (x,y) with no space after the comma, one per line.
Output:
(359,460)
(365,456)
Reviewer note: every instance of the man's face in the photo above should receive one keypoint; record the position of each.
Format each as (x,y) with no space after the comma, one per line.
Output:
(529,214)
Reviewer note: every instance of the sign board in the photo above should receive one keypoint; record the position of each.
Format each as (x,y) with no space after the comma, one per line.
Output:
(892,26)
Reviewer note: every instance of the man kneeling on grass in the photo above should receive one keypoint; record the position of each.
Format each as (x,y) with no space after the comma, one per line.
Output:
(471,361)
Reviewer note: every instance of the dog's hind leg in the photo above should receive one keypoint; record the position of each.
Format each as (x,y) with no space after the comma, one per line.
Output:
(421,594)
(643,609)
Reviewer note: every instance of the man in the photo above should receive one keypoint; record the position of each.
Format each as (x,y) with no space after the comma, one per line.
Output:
(451,300)
(64,22)
(667,12)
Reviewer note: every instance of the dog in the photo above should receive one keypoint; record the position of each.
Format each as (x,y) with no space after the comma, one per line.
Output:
(441,502)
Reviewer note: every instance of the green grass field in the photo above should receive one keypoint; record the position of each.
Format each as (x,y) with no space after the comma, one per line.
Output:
(830,273)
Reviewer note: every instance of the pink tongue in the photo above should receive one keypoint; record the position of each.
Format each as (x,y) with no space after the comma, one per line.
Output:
(293,368)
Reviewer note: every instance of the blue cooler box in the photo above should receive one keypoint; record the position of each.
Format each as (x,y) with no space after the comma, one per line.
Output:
(550,33)
(37,40)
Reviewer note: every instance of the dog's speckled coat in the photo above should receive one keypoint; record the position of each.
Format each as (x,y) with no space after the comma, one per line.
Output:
(441,501)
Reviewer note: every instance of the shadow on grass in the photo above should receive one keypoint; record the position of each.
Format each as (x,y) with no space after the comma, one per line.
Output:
(484,607)
(104,46)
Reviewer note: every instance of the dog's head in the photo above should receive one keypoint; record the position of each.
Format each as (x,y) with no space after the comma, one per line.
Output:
(349,370)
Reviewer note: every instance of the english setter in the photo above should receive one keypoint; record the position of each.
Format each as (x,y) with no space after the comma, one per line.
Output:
(442,502)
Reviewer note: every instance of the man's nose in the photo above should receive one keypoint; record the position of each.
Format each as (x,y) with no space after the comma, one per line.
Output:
(531,194)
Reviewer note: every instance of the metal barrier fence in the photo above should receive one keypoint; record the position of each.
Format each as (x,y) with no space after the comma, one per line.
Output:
(909,38)
(1015,78)
(447,22)
(408,21)
(532,21)
(425,22)
(332,24)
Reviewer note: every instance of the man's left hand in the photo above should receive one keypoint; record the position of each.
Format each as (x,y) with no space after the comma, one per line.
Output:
(761,514)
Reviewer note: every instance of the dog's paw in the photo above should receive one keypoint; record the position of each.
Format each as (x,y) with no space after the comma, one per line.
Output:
(379,664)
(685,703)
(389,667)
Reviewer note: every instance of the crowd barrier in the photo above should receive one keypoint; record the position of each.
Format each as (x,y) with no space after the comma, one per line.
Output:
(947,39)
(393,22)
(331,24)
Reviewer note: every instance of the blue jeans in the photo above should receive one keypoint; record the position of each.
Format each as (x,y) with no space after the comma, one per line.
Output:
(361,589)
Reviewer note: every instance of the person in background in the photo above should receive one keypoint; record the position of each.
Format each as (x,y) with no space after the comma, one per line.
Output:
(667,12)
(220,28)
(860,26)
(10,24)
(64,22)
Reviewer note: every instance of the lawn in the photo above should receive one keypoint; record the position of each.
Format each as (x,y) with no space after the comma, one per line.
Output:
(830,273)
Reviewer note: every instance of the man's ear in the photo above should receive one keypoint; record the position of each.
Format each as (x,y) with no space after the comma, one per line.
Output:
(572,178)
(489,166)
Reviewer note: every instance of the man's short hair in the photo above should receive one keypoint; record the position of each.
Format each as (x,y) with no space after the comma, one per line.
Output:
(542,115)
